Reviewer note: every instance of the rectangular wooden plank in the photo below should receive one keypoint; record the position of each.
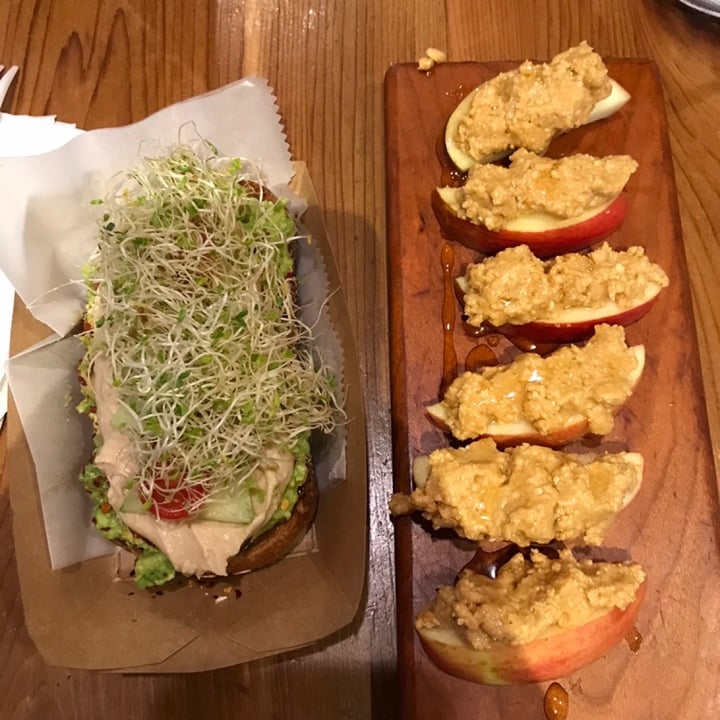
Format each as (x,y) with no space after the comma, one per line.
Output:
(672,526)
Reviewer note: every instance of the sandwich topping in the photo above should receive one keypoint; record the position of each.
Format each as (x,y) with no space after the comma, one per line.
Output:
(198,370)
(192,547)
(529,494)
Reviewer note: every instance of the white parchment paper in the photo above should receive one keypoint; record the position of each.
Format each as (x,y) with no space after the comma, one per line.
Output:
(22,135)
(54,430)
(48,228)
(47,235)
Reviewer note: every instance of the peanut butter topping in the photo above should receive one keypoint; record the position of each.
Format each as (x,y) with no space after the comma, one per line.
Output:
(528,106)
(564,188)
(516,287)
(530,600)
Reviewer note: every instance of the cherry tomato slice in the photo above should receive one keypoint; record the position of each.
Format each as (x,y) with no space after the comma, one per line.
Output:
(176,506)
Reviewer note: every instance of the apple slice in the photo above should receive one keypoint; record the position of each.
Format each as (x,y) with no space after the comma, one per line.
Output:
(546,235)
(575,324)
(578,324)
(522,431)
(523,495)
(548,658)
(603,109)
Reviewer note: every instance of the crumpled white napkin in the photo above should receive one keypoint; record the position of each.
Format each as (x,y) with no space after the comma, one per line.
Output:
(6,80)
(21,135)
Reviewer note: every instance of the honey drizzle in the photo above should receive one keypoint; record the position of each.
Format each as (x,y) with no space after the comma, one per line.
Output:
(479,357)
(450,361)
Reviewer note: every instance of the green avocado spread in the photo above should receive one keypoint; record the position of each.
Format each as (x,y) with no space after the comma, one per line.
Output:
(152,566)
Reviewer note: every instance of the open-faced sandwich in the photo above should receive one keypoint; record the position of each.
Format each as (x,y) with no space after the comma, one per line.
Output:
(198,375)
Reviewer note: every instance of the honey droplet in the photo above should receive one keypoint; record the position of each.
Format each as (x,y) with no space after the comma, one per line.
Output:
(531,346)
(634,640)
(479,357)
(556,702)
(473,331)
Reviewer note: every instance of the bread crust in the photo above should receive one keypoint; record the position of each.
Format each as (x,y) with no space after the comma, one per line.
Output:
(277,542)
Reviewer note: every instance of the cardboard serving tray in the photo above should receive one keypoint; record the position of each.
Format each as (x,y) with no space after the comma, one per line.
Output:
(86,616)
(671,527)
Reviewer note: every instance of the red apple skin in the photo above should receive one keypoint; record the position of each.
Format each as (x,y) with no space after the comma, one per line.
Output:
(547,332)
(541,660)
(543,244)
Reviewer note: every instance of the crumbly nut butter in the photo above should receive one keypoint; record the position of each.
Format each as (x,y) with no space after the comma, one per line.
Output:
(532,599)
(564,188)
(529,494)
(433,56)
(550,393)
(425,63)
(528,106)
(516,287)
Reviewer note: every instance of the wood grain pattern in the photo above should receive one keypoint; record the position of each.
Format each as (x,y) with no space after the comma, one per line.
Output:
(111,63)
(654,530)
(105,63)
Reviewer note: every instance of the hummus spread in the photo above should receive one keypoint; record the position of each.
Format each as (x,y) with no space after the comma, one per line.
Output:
(195,547)
(516,287)
(529,494)
(531,600)
(528,106)
(550,393)
(564,188)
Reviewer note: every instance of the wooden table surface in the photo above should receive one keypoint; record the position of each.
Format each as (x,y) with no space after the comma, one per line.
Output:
(112,62)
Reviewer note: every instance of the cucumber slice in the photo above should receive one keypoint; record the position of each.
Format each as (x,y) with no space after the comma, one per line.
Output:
(232,507)
(133,503)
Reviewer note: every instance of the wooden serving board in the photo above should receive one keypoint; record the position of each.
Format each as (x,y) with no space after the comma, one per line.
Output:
(671,527)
